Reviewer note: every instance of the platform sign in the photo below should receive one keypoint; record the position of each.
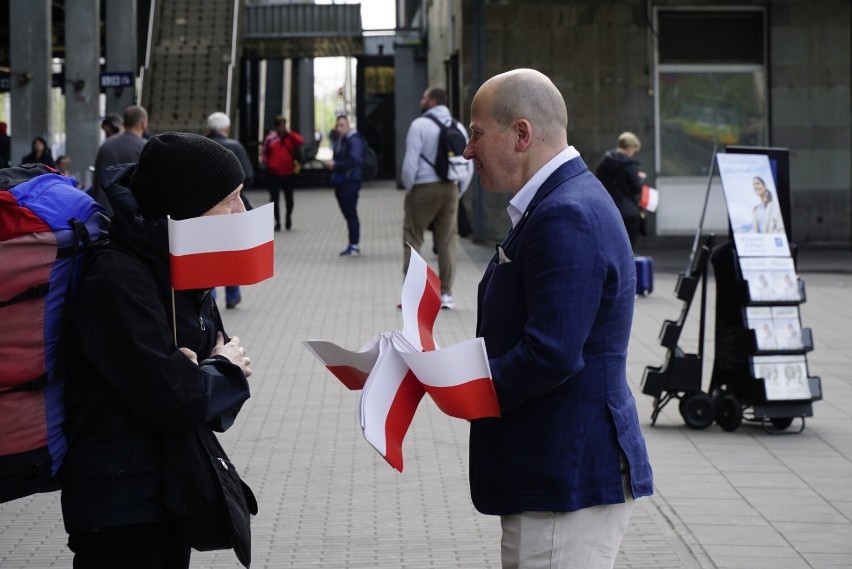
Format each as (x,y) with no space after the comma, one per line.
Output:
(116,79)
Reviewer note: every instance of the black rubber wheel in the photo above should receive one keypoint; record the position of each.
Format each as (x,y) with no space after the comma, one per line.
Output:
(729,413)
(781,423)
(697,411)
(682,403)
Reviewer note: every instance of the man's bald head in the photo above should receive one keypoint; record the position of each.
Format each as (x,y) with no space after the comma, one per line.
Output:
(529,94)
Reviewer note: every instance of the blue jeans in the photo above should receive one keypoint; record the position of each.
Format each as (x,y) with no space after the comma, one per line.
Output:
(232,294)
(347,199)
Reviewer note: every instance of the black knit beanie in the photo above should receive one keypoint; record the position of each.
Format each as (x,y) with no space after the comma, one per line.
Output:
(184,175)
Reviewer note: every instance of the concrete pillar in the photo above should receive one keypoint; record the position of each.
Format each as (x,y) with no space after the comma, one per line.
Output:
(410,80)
(305,100)
(273,93)
(287,91)
(121,25)
(82,86)
(249,131)
(477,194)
(29,57)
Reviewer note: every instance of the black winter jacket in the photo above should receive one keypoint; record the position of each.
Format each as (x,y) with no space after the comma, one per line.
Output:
(128,385)
(619,173)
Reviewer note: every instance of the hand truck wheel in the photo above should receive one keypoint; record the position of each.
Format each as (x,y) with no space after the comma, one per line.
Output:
(729,413)
(697,410)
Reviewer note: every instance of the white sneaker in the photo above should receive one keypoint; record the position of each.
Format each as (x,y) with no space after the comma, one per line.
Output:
(447,302)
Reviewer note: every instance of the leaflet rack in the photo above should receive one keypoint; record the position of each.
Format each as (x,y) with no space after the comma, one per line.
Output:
(760,371)
(680,376)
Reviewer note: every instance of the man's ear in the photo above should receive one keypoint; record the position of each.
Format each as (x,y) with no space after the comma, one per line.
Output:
(523,134)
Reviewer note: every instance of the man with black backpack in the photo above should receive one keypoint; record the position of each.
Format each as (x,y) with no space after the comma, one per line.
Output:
(434,175)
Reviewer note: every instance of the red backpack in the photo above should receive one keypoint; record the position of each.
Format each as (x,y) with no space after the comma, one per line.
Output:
(47,227)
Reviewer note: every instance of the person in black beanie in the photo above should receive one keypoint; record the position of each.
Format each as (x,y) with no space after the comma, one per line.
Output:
(131,387)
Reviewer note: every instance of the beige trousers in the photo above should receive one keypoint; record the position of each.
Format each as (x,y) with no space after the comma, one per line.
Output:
(585,539)
(436,203)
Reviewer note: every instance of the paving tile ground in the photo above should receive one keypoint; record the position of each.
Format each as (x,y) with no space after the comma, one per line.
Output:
(723,500)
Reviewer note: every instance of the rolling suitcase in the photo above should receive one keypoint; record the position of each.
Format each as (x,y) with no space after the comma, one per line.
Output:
(644,275)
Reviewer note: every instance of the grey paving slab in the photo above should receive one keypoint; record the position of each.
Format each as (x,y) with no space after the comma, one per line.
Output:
(327,499)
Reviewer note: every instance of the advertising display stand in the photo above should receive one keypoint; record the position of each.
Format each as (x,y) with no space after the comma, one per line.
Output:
(680,376)
(760,371)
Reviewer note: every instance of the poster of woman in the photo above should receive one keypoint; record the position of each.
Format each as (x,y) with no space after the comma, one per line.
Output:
(753,207)
(766,215)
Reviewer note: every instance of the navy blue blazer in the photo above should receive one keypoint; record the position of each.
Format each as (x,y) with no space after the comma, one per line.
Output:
(556,320)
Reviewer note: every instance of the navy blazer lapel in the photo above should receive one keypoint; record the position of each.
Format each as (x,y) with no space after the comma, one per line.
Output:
(566,171)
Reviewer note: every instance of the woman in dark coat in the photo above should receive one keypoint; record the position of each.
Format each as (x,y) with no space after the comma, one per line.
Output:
(40,153)
(620,175)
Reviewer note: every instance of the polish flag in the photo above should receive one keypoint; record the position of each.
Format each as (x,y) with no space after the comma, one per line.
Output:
(388,403)
(351,368)
(397,368)
(222,250)
(458,379)
(650,198)
(421,302)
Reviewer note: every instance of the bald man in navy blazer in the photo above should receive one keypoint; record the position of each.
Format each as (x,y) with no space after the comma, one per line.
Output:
(566,459)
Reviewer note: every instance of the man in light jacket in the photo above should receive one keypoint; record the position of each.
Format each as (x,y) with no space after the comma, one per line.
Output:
(430,200)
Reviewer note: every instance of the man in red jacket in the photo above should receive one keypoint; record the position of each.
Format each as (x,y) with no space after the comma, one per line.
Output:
(279,153)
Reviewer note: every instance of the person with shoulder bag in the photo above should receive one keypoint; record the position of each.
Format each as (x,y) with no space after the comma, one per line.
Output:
(150,374)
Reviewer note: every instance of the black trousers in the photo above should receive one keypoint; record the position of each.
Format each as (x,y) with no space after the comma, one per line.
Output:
(275,184)
(141,546)
(631,224)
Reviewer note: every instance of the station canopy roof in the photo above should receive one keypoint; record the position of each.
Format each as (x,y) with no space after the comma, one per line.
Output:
(273,31)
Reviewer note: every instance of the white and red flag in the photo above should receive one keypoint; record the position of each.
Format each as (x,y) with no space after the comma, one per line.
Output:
(222,250)
(396,369)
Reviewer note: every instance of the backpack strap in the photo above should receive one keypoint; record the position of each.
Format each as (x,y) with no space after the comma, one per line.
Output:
(221,325)
(38,291)
(36,384)
(441,127)
(290,149)
(82,235)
